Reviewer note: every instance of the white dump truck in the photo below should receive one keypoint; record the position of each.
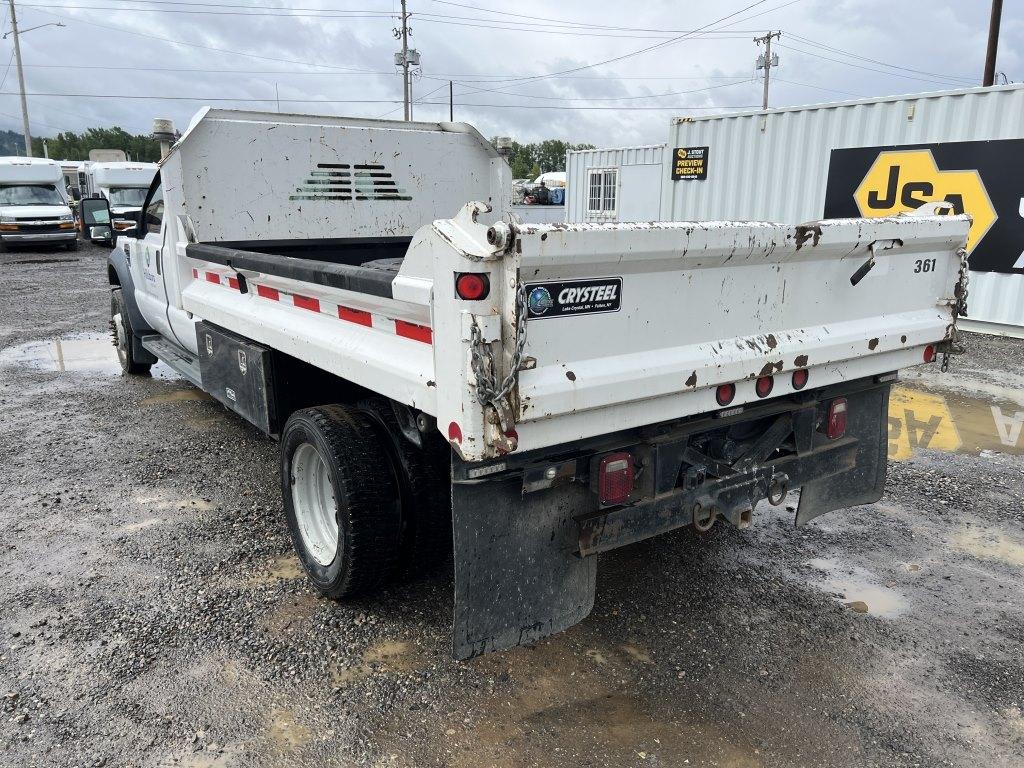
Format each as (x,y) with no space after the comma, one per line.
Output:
(124,185)
(442,378)
(33,204)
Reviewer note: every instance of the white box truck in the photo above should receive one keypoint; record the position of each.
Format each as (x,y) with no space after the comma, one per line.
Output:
(124,185)
(525,396)
(33,204)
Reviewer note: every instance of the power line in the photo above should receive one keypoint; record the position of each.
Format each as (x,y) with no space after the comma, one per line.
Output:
(221,99)
(641,50)
(475,22)
(808,41)
(605,98)
(198,45)
(946,83)
(436,76)
(778,79)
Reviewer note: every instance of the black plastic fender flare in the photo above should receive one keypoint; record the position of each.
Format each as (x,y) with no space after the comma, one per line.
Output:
(117,261)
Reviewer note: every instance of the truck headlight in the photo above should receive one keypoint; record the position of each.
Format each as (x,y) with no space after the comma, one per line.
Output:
(8,220)
(67,217)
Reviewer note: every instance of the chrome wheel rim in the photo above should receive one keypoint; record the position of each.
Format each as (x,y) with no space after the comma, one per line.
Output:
(316,508)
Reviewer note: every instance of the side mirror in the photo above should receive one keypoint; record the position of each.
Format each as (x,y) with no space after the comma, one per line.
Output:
(94,213)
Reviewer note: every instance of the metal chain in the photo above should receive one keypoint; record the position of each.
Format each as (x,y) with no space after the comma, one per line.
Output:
(953,345)
(488,390)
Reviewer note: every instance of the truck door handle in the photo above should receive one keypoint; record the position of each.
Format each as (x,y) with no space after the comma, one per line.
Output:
(158,261)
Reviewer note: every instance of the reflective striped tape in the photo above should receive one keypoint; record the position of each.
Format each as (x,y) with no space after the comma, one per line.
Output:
(403,328)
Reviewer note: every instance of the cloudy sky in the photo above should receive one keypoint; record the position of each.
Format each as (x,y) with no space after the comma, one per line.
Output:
(578,69)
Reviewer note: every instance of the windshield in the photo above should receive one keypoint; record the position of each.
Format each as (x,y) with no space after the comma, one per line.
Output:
(128,196)
(30,194)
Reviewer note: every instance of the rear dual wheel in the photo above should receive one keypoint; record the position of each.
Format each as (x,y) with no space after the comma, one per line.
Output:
(350,487)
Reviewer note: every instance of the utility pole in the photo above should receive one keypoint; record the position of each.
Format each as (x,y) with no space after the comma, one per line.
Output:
(993,42)
(405,61)
(451,103)
(21,82)
(766,61)
(406,58)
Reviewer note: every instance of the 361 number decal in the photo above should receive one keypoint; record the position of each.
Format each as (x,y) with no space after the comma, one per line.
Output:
(925,265)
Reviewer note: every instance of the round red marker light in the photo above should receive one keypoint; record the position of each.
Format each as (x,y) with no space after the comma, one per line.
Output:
(800,378)
(725,393)
(764,385)
(929,354)
(472,286)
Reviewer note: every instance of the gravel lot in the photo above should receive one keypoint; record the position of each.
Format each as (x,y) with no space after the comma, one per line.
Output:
(152,614)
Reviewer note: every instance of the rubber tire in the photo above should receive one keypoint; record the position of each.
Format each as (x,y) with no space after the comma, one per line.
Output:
(366,488)
(73,245)
(425,484)
(126,355)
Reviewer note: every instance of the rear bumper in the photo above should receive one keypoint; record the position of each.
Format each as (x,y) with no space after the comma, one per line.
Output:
(524,565)
(729,498)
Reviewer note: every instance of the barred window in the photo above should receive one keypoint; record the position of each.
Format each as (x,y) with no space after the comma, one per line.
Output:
(602,189)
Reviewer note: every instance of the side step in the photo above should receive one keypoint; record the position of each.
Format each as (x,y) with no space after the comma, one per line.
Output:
(181,360)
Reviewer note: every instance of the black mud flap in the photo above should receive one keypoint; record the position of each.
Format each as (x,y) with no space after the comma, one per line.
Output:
(867,420)
(518,576)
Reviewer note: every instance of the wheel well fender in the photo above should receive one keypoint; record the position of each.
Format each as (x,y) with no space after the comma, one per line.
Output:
(119,275)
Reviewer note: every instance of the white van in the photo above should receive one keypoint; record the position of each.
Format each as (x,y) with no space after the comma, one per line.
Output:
(124,185)
(34,204)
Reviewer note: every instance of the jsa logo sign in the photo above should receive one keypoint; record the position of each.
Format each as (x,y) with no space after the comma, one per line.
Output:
(905,180)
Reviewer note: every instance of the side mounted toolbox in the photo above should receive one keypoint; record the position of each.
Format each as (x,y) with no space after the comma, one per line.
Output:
(239,374)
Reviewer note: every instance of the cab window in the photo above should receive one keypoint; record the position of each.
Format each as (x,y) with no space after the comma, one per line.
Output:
(154,216)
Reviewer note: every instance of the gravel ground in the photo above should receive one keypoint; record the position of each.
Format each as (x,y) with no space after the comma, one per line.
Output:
(152,614)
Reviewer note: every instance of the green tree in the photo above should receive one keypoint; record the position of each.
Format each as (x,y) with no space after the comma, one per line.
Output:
(69,145)
(530,160)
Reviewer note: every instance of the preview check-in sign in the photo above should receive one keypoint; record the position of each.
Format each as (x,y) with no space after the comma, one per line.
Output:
(982,178)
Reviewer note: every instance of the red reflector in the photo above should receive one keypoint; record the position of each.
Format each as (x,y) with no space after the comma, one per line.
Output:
(800,378)
(836,426)
(615,478)
(929,354)
(725,393)
(472,286)
(764,385)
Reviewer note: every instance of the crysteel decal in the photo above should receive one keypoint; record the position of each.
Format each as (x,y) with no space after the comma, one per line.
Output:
(562,298)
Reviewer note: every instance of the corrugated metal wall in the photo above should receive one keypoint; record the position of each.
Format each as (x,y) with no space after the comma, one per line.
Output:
(639,192)
(775,166)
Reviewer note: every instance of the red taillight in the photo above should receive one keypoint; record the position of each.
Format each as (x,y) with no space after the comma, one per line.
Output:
(800,378)
(725,393)
(615,478)
(929,354)
(472,286)
(763,386)
(836,426)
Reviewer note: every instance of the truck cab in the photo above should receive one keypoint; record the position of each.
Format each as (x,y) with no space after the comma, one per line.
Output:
(33,203)
(124,185)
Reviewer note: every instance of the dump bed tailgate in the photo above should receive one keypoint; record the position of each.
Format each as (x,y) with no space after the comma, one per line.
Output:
(636,323)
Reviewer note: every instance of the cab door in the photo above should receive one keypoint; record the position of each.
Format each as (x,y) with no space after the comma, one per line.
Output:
(146,253)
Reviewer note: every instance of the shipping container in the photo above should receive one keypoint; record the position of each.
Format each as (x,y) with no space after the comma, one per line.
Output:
(621,184)
(871,157)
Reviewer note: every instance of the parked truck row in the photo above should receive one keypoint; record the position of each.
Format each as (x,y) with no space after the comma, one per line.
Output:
(443,379)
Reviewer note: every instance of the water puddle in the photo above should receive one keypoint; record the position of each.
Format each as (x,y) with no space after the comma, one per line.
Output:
(392,656)
(163,501)
(88,353)
(955,423)
(176,396)
(282,568)
(286,732)
(856,588)
(989,544)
